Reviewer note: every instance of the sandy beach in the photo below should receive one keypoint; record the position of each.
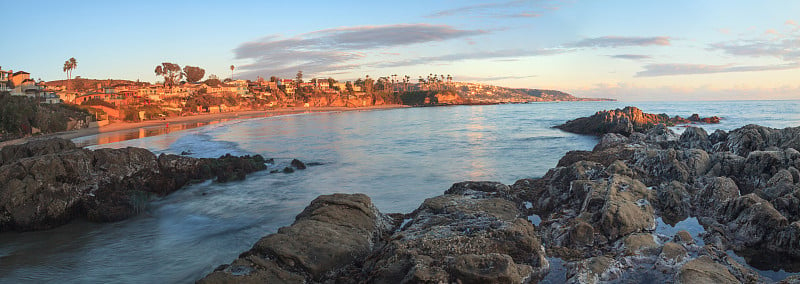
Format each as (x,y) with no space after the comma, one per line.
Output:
(193,119)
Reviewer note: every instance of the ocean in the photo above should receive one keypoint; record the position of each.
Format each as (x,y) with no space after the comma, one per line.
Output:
(399,157)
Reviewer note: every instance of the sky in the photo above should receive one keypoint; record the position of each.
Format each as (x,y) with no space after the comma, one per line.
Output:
(626,50)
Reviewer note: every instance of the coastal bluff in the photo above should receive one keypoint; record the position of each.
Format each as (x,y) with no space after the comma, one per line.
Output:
(47,183)
(592,218)
(626,121)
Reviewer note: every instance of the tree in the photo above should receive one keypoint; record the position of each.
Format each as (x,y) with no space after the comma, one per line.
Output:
(170,71)
(297,82)
(232,72)
(273,79)
(193,74)
(70,65)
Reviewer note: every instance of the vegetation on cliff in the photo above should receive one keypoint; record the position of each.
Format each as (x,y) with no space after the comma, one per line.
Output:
(22,116)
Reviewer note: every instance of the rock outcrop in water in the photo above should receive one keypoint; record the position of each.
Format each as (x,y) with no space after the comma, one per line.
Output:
(599,211)
(626,121)
(47,183)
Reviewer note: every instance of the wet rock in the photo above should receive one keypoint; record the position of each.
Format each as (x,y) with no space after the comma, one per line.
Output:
(56,182)
(610,140)
(704,270)
(288,170)
(718,136)
(626,209)
(594,270)
(683,237)
(477,188)
(334,231)
(752,137)
(297,164)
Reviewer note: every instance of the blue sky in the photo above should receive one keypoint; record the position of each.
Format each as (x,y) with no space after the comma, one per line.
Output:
(629,50)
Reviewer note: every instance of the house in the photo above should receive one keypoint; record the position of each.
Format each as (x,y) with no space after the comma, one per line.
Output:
(18,77)
(5,84)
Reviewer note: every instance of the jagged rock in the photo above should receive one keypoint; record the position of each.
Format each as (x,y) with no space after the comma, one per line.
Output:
(594,270)
(695,137)
(661,134)
(704,270)
(450,233)
(12,153)
(673,202)
(659,166)
(334,231)
(52,182)
(609,140)
(713,194)
(626,208)
(751,221)
(718,136)
(752,137)
(623,121)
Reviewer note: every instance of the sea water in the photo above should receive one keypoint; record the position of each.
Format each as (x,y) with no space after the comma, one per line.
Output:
(398,157)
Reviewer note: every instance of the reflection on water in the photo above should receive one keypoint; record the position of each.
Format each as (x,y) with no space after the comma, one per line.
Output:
(771,265)
(398,157)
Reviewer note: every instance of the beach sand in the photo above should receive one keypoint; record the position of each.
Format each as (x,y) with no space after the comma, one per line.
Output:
(193,119)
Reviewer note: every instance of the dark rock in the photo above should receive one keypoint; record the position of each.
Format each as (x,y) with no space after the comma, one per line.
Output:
(622,121)
(695,137)
(640,244)
(288,170)
(46,184)
(751,221)
(673,202)
(489,268)
(297,164)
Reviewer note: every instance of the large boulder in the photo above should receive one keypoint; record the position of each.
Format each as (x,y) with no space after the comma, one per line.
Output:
(334,231)
(461,238)
(695,137)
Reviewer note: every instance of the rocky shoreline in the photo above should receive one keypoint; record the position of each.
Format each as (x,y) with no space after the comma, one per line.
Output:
(47,183)
(598,213)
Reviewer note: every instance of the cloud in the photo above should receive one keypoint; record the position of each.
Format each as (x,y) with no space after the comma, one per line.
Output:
(508,9)
(336,49)
(654,70)
(631,56)
(499,54)
(488,79)
(787,48)
(620,41)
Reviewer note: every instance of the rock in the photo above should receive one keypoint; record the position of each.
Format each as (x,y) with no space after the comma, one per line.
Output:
(477,188)
(594,270)
(661,134)
(673,202)
(489,268)
(334,231)
(298,164)
(751,221)
(288,170)
(672,254)
(683,237)
(695,137)
(465,238)
(640,244)
(609,140)
(12,153)
(51,183)
(659,166)
(622,121)
(626,208)
(704,270)
(752,137)
(713,195)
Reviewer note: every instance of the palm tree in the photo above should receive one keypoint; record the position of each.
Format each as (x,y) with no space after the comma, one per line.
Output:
(69,65)
(232,72)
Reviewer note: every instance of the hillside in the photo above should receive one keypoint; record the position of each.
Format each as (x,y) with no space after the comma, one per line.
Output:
(480,93)
(86,84)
